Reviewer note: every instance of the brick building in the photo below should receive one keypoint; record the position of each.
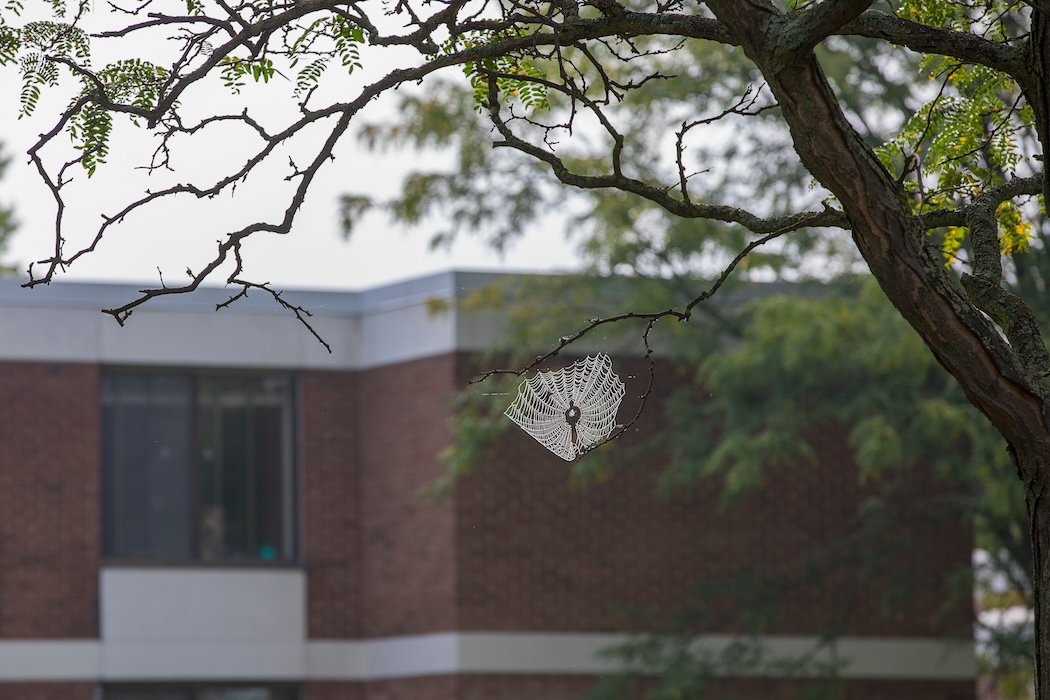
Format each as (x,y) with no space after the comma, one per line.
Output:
(207,505)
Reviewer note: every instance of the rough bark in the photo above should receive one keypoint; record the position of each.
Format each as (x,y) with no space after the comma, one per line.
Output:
(1035,83)
(1039,523)
(1036,87)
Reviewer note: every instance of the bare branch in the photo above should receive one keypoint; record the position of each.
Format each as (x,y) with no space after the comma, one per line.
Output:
(622,429)
(659,195)
(301,314)
(232,244)
(743,107)
(683,314)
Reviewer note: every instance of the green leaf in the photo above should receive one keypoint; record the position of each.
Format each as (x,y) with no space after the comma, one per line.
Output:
(877,447)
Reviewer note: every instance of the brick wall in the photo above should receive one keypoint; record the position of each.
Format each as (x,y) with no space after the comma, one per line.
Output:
(507,687)
(379,556)
(536,553)
(332,690)
(331,517)
(49,477)
(516,548)
(900,579)
(423,688)
(47,691)
(510,687)
(853,689)
(407,543)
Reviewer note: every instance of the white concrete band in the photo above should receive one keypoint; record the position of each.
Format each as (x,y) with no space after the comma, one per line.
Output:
(582,654)
(436,654)
(50,660)
(63,323)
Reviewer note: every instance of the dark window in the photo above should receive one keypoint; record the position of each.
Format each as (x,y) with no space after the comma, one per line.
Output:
(202,692)
(198,466)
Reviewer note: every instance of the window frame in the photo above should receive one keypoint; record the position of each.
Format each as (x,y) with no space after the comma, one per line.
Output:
(291,472)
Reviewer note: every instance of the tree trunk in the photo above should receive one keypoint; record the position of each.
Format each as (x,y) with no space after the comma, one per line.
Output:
(1035,475)
(1010,384)
(1036,87)
(1039,520)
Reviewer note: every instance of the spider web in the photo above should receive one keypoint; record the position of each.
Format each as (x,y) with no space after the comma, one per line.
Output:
(572,409)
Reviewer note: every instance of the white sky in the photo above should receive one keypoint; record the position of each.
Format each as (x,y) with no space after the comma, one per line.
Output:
(313,255)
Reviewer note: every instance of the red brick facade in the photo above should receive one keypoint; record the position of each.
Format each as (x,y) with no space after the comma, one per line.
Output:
(47,691)
(534,552)
(330,518)
(408,575)
(383,556)
(50,525)
(516,548)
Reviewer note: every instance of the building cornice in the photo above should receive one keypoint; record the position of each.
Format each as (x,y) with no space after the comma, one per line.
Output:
(396,323)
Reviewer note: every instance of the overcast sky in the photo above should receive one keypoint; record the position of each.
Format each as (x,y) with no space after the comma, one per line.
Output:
(313,255)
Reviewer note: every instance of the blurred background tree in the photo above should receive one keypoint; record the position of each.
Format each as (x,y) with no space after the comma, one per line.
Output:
(8,223)
(819,345)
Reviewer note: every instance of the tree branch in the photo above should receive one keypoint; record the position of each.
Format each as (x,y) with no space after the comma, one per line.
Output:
(984,285)
(658,195)
(923,38)
(811,26)
(683,314)
(993,196)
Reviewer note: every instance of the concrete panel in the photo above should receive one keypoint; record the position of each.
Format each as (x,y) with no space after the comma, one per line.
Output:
(202,606)
(438,654)
(419,655)
(227,339)
(202,661)
(49,660)
(580,654)
(405,333)
(365,329)
(536,653)
(42,334)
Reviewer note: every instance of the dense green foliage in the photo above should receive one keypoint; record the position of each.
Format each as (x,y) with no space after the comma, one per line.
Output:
(777,367)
